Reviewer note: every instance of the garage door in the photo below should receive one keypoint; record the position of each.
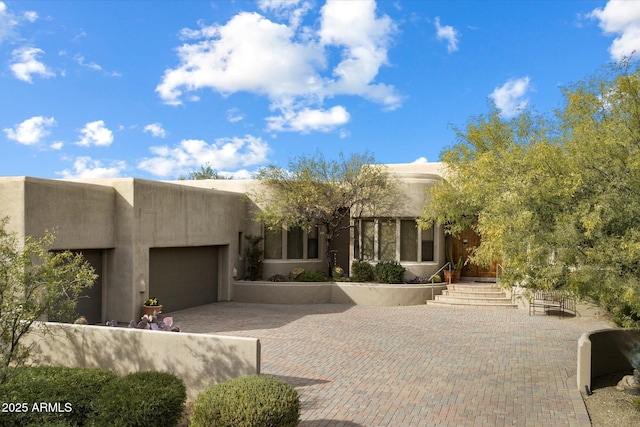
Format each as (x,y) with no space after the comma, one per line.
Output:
(183,277)
(90,300)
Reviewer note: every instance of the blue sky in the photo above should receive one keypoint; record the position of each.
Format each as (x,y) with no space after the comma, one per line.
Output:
(154,89)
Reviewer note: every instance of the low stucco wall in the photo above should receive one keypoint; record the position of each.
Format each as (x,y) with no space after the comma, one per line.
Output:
(201,360)
(334,293)
(382,294)
(282,292)
(604,352)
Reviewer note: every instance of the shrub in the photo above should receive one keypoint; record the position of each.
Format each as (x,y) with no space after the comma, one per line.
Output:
(141,399)
(75,386)
(253,401)
(361,271)
(308,276)
(295,273)
(278,278)
(389,272)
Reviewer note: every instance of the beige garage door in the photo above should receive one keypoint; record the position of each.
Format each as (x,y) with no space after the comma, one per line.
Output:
(183,277)
(90,301)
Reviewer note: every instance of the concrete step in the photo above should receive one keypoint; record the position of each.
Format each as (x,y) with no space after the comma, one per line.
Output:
(469,287)
(456,300)
(463,304)
(474,294)
(471,294)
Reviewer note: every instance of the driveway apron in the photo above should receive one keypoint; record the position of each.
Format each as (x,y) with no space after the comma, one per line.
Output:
(413,366)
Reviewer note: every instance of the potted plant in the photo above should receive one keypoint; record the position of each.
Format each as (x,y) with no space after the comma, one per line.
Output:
(151,307)
(452,274)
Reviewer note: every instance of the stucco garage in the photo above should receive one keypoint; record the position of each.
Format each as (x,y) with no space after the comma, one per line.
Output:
(183,277)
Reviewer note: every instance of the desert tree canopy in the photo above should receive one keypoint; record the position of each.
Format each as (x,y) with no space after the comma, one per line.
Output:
(555,197)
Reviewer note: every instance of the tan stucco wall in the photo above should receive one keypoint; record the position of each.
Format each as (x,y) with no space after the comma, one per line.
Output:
(334,293)
(82,215)
(201,360)
(282,293)
(12,203)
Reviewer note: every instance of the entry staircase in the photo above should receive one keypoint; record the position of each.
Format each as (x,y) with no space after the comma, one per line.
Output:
(474,293)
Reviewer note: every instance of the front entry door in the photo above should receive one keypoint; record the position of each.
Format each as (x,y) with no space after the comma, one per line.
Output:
(463,244)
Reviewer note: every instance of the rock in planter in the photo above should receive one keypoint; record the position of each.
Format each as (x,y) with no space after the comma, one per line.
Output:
(628,382)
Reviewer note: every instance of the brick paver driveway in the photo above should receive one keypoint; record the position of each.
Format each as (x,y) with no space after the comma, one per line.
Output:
(413,366)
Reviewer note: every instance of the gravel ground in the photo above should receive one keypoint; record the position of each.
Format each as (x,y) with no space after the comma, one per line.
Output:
(609,407)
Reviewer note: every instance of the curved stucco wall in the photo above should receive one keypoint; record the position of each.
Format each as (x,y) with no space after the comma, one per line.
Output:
(604,352)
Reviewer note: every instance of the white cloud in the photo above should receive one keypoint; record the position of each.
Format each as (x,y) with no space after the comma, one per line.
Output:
(156,130)
(234,115)
(623,18)
(509,98)
(307,120)
(31,16)
(57,145)
(228,57)
(25,64)
(293,62)
(86,167)
(8,23)
(31,131)
(95,133)
(365,38)
(94,66)
(292,10)
(190,154)
(448,34)
(80,60)
(239,174)
(420,160)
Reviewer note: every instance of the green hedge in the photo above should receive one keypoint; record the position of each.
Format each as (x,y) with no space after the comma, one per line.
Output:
(90,397)
(361,271)
(253,401)
(72,389)
(141,399)
(389,272)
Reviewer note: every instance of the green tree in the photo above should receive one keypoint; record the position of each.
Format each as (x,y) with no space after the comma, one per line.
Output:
(314,191)
(556,198)
(601,127)
(205,172)
(34,284)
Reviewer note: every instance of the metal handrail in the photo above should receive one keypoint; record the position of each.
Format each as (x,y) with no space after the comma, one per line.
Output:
(497,271)
(448,264)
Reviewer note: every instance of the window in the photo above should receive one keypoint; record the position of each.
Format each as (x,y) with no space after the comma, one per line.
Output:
(295,240)
(408,240)
(392,239)
(427,244)
(294,243)
(368,239)
(312,243)
(273,244)
(387,239)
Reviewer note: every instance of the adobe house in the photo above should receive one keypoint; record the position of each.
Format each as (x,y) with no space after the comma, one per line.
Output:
(183,241)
